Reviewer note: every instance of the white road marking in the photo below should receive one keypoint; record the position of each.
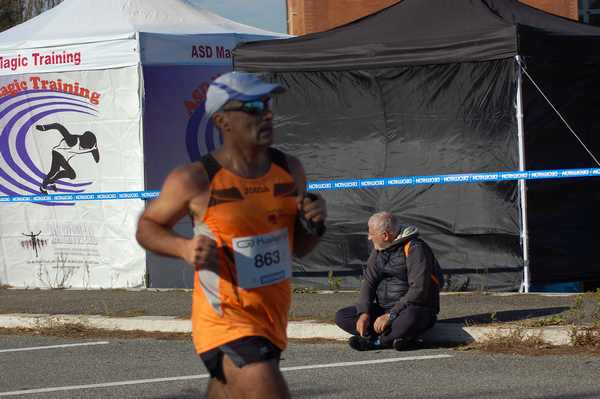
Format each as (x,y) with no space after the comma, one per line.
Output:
(363,362)
(104,385)
(201,376)
(37,348)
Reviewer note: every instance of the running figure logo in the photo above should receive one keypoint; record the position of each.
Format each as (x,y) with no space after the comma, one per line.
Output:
(70,146)
(33,242)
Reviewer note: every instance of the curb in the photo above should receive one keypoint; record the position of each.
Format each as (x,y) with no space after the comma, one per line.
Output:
(459,334)
(442,333)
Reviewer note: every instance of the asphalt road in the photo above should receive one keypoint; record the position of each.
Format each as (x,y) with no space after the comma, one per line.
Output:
(147,368)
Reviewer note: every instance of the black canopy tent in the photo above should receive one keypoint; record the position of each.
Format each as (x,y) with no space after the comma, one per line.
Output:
(429,87)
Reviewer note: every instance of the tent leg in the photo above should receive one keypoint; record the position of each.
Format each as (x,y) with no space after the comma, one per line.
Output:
(522,185)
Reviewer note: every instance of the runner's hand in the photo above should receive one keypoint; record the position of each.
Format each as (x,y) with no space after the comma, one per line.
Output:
(314,208)
(362,324)
(381,323)
(200,250)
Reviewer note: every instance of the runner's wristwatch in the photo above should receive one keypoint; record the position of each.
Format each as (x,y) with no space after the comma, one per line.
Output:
(311,227)
(392,316)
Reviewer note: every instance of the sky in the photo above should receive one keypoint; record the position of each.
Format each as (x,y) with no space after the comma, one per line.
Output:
(264,14)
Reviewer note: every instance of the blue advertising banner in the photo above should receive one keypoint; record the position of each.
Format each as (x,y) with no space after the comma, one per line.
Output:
(462,178)
(175,129)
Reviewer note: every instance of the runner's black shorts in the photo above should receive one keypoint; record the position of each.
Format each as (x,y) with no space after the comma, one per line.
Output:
(241,351)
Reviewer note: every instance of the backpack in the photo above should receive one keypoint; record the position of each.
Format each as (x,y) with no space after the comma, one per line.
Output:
(437,276)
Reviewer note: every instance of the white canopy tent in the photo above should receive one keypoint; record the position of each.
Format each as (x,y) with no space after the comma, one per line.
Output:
(101,97)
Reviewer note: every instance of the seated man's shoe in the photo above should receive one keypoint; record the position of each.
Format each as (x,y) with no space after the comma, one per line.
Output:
(360,343)
(403,344)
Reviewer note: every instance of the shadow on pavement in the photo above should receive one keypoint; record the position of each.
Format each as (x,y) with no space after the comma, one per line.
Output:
(305,392)
(505,316)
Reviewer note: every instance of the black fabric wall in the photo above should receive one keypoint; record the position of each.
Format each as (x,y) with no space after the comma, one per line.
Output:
(408,121)
(563,213)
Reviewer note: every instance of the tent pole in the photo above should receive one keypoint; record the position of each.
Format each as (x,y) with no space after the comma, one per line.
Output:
(522,187)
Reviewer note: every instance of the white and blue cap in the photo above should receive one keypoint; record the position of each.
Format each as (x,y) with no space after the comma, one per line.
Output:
(238,86)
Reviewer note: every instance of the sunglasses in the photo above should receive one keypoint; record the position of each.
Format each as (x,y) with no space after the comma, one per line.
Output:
(254,107)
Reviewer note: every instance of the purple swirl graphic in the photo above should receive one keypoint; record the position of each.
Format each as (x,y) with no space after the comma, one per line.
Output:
(21,150)
(29,111)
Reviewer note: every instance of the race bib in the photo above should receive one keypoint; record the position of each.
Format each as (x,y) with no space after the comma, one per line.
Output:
(262,260)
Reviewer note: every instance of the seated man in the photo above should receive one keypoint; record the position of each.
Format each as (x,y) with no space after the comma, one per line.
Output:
(399,295)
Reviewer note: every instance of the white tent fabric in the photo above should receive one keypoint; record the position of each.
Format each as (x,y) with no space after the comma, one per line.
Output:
(89,21)
(134,74)
(119,33)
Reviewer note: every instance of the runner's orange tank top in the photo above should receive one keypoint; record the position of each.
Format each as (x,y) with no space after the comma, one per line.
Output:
(248,291)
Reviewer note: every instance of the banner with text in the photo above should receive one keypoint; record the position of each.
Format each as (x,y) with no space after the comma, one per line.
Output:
(201,49)
(88,56)
(70,133)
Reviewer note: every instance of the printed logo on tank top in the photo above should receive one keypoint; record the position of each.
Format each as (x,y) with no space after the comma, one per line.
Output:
(224,196)
(257,189)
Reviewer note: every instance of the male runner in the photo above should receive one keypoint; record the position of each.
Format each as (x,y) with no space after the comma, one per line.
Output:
(250,215)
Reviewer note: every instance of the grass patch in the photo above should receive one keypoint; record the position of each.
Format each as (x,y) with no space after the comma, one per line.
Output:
(556,320)
(577,315)
(583,325)
(519,343)
(127,313)
(522,341)
(514,342)
(588,337)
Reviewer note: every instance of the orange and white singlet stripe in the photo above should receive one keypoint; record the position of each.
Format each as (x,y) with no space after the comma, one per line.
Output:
(248,291)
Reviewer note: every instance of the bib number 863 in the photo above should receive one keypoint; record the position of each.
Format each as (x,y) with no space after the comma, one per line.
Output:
(266,259)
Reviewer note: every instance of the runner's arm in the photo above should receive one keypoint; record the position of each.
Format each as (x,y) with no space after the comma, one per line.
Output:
(155,226)
(314,211)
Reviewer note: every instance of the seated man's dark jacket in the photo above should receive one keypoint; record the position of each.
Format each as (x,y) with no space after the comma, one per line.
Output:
(394,280)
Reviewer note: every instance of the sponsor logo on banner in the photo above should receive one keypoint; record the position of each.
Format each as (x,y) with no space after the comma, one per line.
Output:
(33,242)
(69,256)
(32,128)
(201,135)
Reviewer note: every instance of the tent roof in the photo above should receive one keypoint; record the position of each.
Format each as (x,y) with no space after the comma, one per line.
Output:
(88,21)
(417,32)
